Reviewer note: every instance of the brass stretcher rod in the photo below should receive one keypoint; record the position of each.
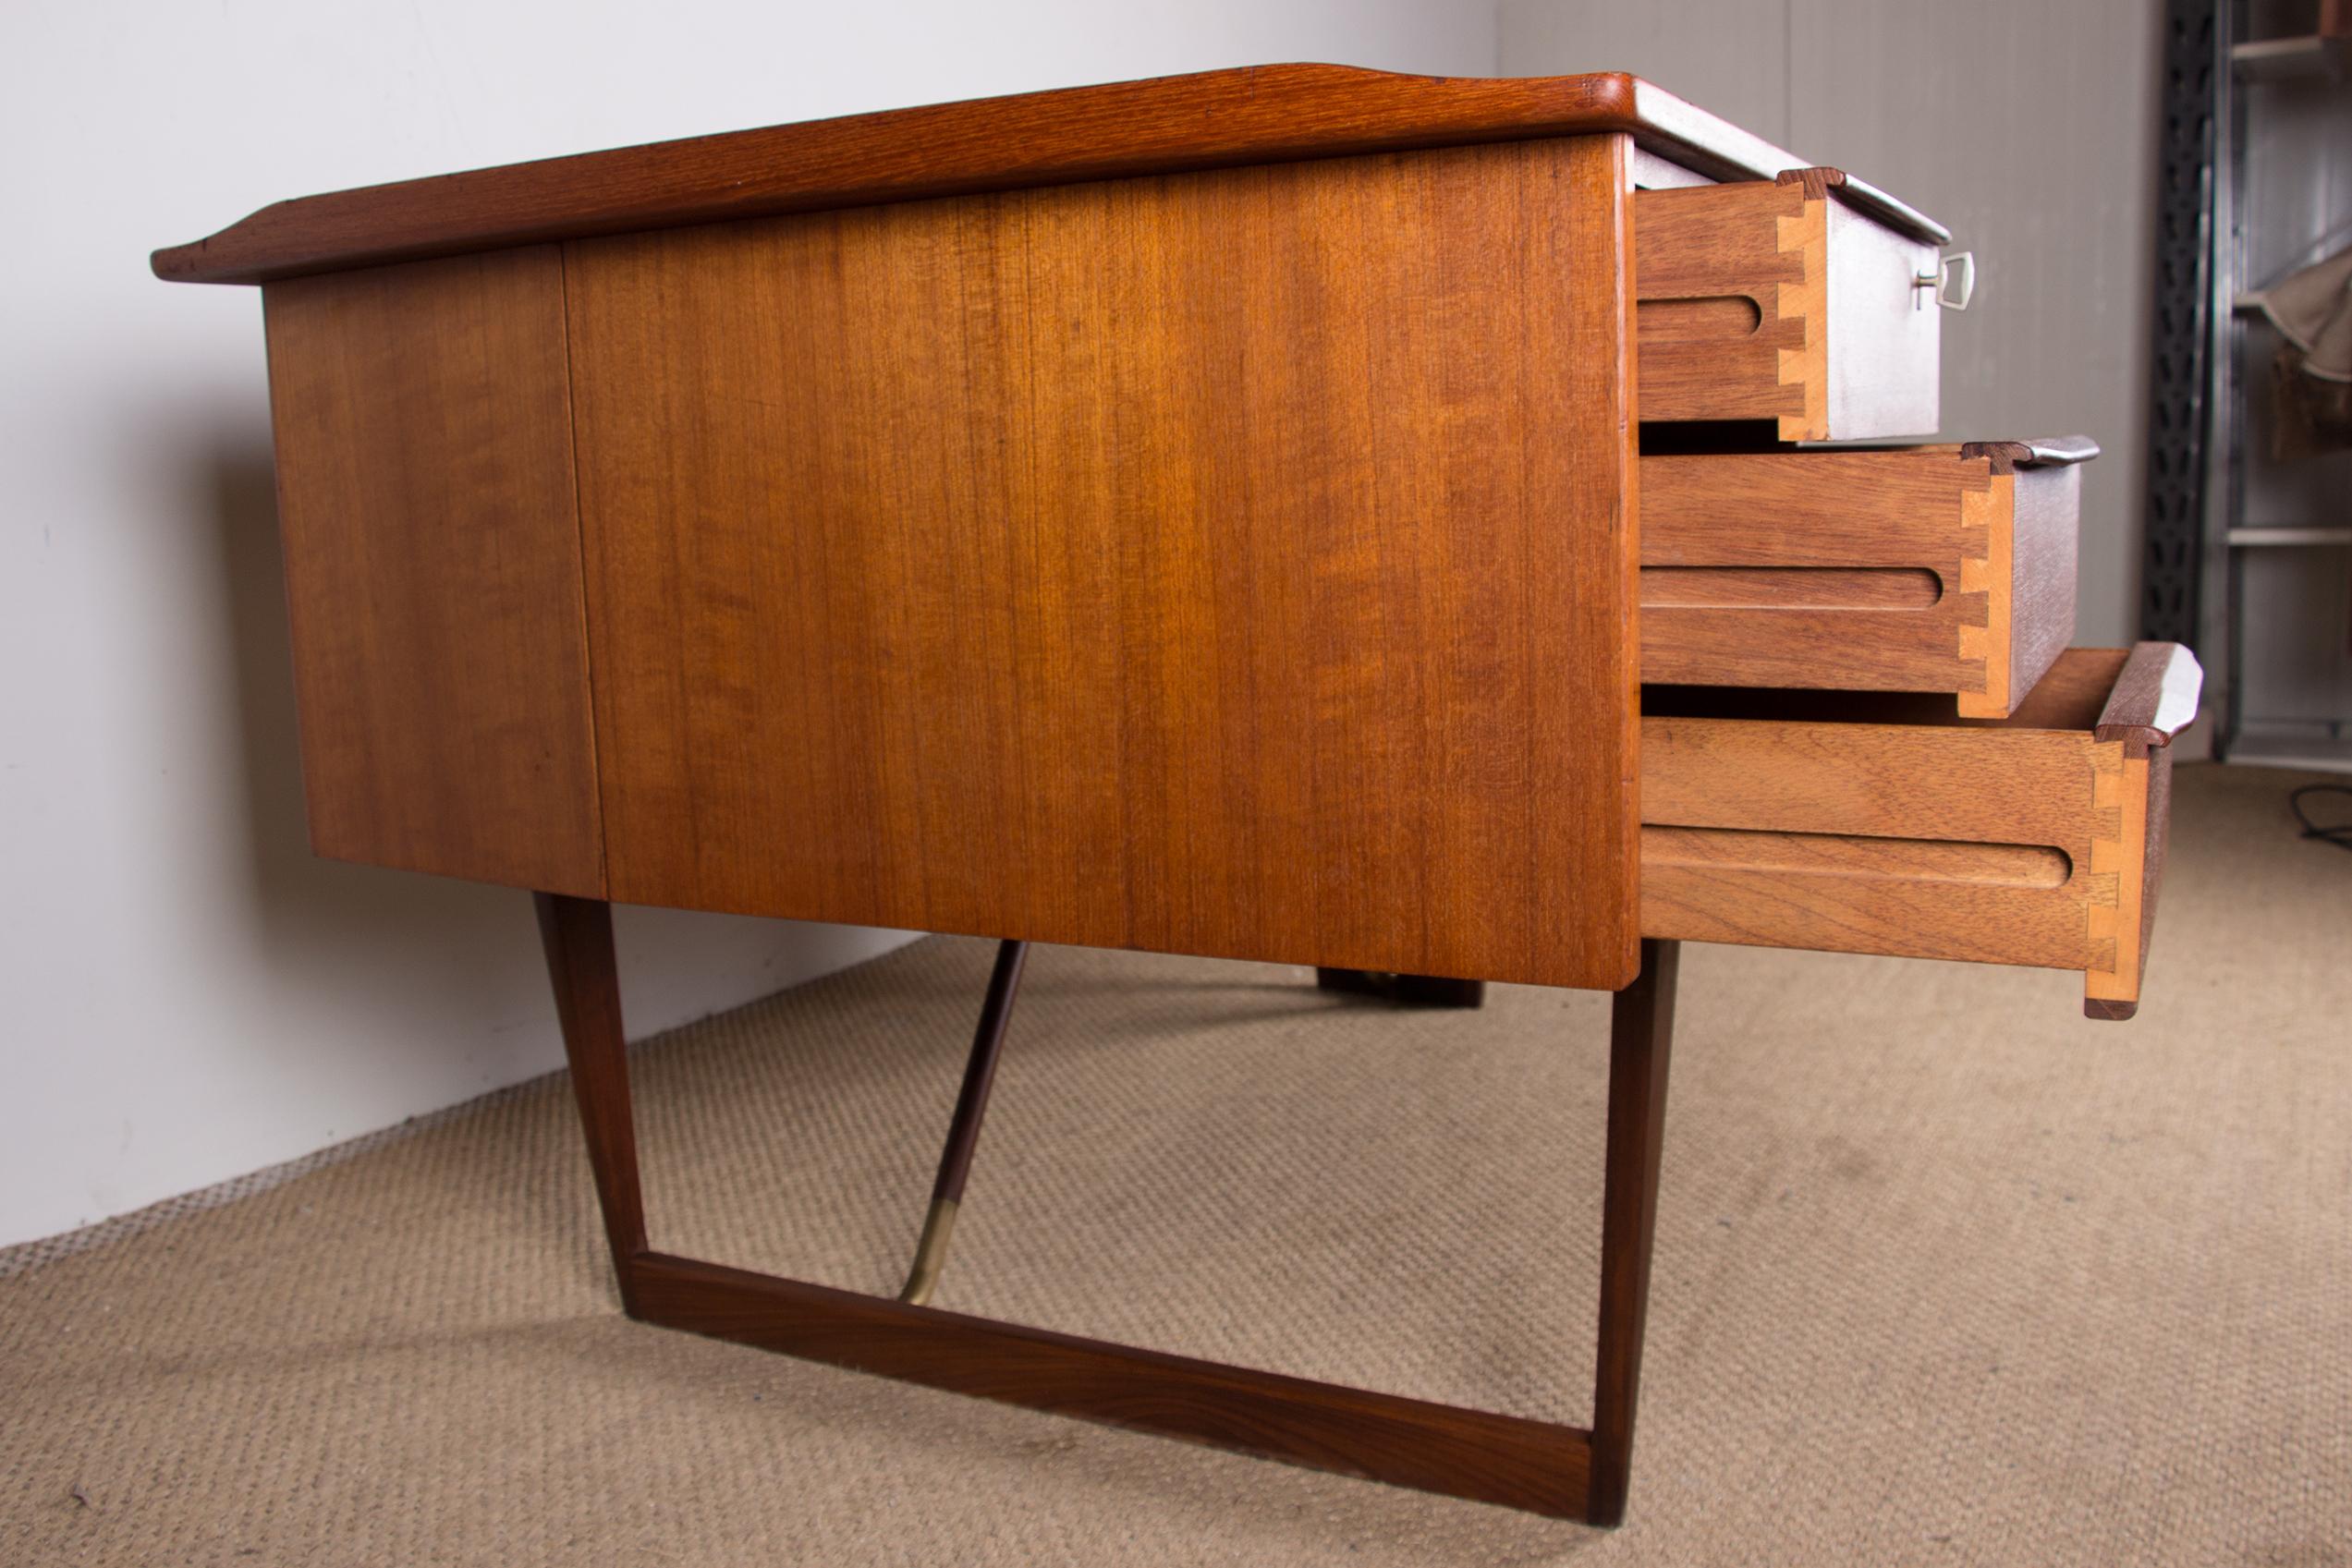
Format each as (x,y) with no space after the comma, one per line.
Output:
(963,1129)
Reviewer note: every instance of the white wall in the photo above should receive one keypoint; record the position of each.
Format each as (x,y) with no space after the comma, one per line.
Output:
(185,995)
(2027,127)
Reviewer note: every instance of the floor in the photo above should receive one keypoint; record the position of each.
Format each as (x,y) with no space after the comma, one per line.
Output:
(1946,1274)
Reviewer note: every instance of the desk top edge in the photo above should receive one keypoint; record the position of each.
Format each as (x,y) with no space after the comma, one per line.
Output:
(1165,125)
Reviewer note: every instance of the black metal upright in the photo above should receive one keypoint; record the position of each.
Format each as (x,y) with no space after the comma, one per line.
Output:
(2192,92)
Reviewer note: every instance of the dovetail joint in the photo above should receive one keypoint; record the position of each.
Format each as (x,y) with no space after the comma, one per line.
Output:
(2118,803)
(1807,303)
(1988,527)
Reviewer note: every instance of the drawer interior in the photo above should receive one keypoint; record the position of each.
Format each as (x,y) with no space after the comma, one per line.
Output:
(2072,695)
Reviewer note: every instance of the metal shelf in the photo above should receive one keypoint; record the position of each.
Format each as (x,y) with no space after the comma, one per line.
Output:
(2281,691)
(2275,59)
(2291,538)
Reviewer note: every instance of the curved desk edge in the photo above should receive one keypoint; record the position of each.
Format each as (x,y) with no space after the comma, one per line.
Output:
(1167,125)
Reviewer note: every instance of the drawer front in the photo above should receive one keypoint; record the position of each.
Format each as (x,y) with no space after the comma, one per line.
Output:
(2035,841)
(1933,568)
(1757,301)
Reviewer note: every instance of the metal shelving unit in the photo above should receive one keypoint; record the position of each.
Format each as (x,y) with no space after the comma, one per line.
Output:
(2257,183)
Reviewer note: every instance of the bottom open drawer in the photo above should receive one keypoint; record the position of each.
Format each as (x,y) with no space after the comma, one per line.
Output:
(1877,823)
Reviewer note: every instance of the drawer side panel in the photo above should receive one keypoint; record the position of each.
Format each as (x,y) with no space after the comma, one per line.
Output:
(1891,914)
(2047,531)
(1912,840)
(1895,781)
(1708,247)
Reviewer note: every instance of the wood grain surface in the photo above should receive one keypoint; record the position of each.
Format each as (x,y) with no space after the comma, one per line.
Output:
(2119,860)
(1641,1029)
(1500,1459)
(1212,119)
(1743,812)
(1901,568)
(432,565)
(1804,304)
(2113,993)
(1989,518)
(2029,840)
(2155,696)
(1921,860)
(576,935)
(1220,563)
(2072,694)
(1711,257)
(1778,300)
(2152,700)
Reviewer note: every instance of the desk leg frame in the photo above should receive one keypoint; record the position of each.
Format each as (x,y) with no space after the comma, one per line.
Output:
(1567,1472)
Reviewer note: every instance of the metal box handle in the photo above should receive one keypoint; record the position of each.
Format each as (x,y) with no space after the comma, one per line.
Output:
(1954,280)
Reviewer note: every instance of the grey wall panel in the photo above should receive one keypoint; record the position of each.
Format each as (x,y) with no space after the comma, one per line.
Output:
(1731,59)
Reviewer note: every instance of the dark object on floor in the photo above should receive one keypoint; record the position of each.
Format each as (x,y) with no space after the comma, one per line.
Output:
(2337,833)
(1411,990)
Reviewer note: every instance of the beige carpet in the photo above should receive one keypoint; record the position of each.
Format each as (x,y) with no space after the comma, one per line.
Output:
(1945,1274)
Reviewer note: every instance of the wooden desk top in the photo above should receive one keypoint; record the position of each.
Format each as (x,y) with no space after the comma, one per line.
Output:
(1212,119)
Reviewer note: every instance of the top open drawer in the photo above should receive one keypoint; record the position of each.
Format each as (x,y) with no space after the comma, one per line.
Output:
(1778,300)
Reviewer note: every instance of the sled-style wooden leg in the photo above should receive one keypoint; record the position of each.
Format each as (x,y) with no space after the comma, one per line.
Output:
(1641,1027)
(1564,1471)
(577,936)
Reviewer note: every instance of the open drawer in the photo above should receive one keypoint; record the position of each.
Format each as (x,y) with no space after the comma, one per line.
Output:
(1919,569)
(1877,823)
(1779,300)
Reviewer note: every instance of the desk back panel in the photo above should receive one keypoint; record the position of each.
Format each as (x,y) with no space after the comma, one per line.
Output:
(1236,563)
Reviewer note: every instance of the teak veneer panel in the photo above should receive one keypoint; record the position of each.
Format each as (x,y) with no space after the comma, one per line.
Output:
(1211,119)
(1902,569)
(432,565)
(1236,562)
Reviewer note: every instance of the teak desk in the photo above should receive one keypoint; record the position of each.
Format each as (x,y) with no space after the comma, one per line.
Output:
(1229,515)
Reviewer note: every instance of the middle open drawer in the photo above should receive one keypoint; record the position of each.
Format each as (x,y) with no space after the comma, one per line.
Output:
(1915,568)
